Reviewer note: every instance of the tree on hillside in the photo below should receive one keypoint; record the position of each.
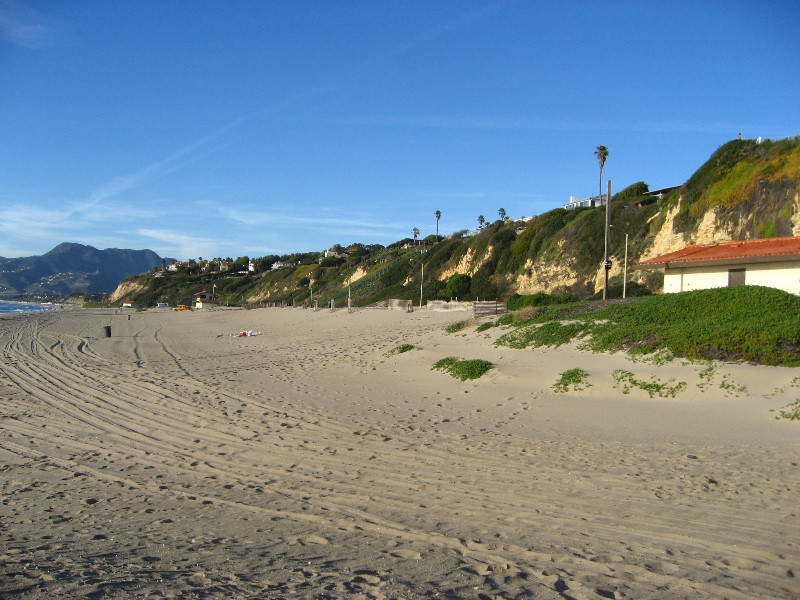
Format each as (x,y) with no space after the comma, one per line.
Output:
(438,215)
(458,286)
(502,213)
(481,220)
(602,155)
(415,231)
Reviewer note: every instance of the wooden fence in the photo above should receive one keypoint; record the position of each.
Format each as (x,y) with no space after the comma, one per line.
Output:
(443,305)
(488,308)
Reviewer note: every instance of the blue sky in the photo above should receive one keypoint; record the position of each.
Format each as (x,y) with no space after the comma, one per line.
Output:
(199,128)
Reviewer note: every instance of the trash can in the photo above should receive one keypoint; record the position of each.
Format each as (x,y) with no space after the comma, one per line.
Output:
(108,330)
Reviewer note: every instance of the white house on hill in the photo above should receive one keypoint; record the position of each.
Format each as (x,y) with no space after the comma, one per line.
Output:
(771,262)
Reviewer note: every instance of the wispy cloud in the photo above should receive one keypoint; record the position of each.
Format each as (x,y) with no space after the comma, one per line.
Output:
(35,222)
(285,220)
(184,156)
(25,27)
(178,244)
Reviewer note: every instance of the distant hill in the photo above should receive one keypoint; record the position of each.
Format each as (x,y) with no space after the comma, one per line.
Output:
(72,268)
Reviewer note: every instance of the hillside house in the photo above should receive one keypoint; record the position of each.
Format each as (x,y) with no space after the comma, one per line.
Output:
(175,265)
(596,201)
(771,262)
(590,202)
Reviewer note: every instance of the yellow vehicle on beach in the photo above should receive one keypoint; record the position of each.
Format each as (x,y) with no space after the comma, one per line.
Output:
(180,307)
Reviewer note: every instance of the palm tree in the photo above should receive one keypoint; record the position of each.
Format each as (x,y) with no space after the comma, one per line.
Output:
(481,220)
(438,215)
(415,231)
(602,154)
(502,213)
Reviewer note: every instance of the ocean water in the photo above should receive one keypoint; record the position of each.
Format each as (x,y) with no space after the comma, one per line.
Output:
(18,307)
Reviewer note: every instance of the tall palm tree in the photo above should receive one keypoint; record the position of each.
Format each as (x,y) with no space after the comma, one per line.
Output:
(602,155)
(481,220)
(415,231)
(438,215)
(502,213)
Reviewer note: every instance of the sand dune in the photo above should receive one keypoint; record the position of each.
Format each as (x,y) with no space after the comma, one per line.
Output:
(173,460)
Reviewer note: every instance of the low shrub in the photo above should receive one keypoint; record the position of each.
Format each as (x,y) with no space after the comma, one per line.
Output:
(790,411)
(400,349)
(653,387)
(549,334)
(463,369)
(525,313)
(456,327)
(573,377)
(506,319)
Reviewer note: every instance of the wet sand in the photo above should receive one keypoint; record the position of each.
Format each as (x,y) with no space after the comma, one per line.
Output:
(172,460)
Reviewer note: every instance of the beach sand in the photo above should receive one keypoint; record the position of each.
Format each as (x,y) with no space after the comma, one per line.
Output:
(172,460)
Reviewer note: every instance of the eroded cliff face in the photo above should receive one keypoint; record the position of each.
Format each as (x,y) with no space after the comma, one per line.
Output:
(548,276)
(796,216)
(357,274)
(468,264)
(772,211)
(126,288)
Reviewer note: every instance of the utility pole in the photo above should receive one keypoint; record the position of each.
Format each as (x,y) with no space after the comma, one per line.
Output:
(421,282)
(606,262)
(625,272)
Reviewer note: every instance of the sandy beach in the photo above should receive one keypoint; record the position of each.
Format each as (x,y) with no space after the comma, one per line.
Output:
(177,460)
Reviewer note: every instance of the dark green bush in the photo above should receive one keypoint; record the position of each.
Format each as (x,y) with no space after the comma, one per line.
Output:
(458,286)
(516,301)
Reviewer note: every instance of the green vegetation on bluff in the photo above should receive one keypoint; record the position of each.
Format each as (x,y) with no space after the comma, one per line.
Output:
(743,180)
(748,323)
(752,187)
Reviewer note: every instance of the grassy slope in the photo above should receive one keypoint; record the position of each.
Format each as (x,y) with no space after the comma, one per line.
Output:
(748,323)
(733,177)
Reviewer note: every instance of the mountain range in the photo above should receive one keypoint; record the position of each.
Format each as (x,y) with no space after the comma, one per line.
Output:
(72,268)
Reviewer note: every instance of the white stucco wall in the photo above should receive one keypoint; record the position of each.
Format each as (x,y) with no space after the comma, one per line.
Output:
(784,276)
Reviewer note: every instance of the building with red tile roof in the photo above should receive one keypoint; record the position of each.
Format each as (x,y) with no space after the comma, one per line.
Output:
(772,262)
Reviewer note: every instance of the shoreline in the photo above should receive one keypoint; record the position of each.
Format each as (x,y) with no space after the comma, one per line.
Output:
(174,459)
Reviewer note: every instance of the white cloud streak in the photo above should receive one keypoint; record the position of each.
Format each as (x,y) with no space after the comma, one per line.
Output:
(181,245)
(22,26)
(182,157)
(278,220)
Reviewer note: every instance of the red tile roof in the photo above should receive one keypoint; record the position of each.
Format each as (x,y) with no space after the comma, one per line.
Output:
(763,250)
